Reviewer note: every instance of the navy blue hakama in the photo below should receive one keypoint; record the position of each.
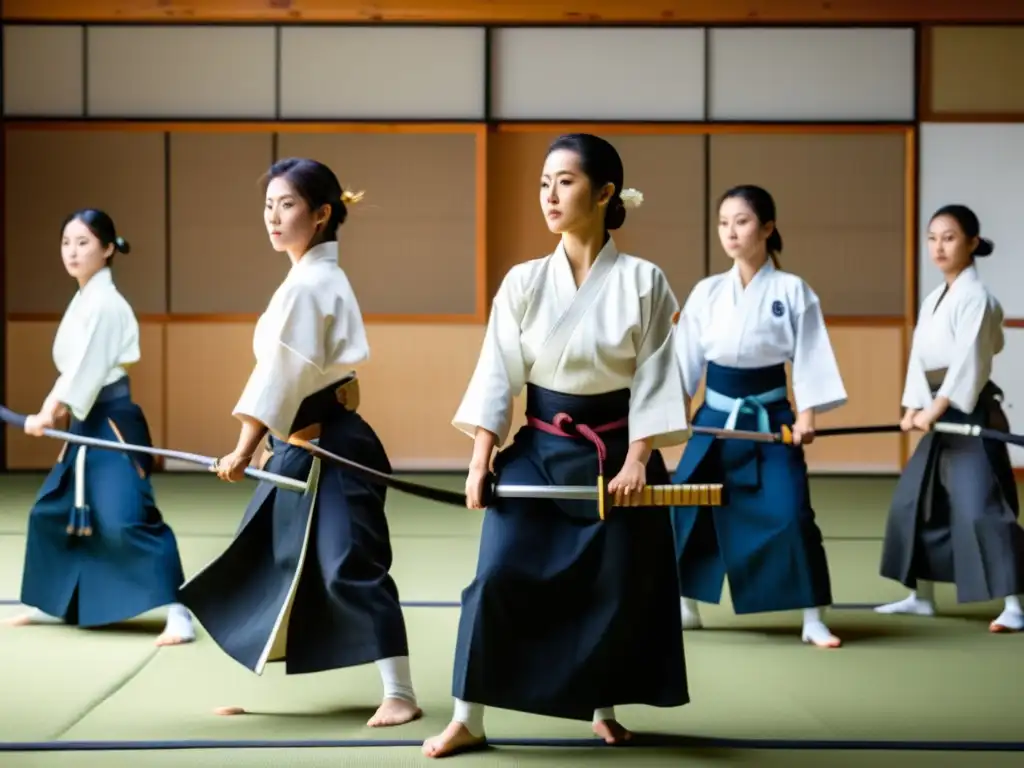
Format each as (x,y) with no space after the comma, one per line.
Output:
(114,557)
(954,513)
(764,538)
(306,579)
(566,613)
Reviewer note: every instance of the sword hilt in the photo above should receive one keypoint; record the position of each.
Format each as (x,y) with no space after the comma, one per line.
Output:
(680,495)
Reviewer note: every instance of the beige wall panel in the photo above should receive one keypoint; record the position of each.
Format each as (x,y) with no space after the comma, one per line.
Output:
(668,229)
(42,71)
(382,72)
(221,258)
(31,373)
(977,69)
(811,73)
(417,223)
(51,173)
(411,388)
(639,73)
(181,71)
(208,365)
(840,201)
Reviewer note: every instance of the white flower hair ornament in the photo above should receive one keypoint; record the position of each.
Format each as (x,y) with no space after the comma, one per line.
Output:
(632,198)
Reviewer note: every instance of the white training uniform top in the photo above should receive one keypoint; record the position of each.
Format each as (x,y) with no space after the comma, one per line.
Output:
(776,319)
(957,336)
(613,333)
(310,335)
(96,341)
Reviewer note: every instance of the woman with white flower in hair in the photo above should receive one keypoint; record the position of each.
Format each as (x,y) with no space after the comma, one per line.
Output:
(569,615)
(737,331)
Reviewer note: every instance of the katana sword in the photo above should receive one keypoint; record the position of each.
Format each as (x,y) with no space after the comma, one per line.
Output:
(18,420)
(650,496)
(971,430)
(785,434)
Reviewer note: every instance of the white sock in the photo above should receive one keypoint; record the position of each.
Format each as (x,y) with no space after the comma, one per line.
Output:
(690,614)
(812,616)
(604,713)
(1012,603)
(920,602)
(471,716)
(397,678)
(179,622)
(36,616)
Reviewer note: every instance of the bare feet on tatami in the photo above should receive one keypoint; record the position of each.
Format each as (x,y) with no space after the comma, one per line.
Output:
(391,712)
(612,731)
(394,712)
(454,739)
(22,620)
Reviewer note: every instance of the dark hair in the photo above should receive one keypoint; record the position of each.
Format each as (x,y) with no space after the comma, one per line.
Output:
(102,228)
(317,185)
(970,225)
(601,163)
(763,206)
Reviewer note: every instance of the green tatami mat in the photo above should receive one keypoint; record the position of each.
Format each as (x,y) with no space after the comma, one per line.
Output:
(510,757)
(51,676)
(897,679)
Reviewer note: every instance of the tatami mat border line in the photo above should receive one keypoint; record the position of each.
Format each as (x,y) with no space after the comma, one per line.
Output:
(639,740)
(456,604)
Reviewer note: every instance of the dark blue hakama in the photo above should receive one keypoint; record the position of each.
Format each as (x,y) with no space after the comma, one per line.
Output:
(306,579)
(566,613)
(764,538)
(954,513)
(129,563)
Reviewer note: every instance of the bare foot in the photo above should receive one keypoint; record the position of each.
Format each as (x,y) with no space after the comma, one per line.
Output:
(227,711)
(171,638)
(612,732)
(394,712)
(21,620)
(455,738)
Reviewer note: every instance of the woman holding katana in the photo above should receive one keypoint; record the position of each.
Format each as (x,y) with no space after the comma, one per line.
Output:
(568,615)
(306,580)
(98,550)
(739,329)
(954,514)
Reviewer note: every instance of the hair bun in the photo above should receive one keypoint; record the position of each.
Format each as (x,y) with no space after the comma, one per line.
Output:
(985,247)
(122,245)
(348,198)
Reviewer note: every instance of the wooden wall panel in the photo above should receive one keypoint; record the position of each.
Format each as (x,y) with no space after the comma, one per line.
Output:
(31,374)
(221,257)
(52,172)
(407,395)
(840,200)
(668,229)
(207,365)
(520,11)
(976,72)
(417,223)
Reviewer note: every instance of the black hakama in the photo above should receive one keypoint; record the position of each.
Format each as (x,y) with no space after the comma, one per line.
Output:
(568,613)
(954,513)
(306,579)
(113,557)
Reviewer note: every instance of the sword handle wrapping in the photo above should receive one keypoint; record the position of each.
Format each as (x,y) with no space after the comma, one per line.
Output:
(490,490)
(686,495)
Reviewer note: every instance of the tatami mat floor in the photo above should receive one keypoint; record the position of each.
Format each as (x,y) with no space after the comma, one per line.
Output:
(759,696)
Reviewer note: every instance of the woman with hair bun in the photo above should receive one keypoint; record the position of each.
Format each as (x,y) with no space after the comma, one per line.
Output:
(98,550)
(739,329)
(954,514)
(306,580)
(568,615)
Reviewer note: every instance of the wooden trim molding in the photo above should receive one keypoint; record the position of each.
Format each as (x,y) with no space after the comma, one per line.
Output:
(700,128)
(241,126)
(569,12)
